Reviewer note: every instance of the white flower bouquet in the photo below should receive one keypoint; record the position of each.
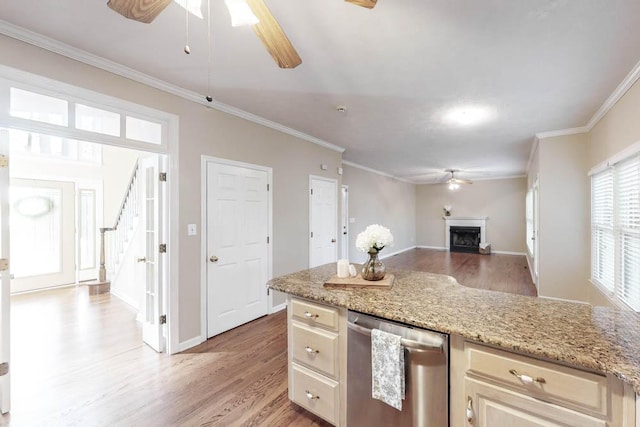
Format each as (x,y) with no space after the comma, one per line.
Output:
(374,238)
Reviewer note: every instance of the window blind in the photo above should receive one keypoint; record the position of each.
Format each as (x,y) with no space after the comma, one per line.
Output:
(602,233)
(627,209)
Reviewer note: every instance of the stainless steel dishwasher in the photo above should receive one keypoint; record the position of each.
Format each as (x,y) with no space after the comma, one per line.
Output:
(426,358)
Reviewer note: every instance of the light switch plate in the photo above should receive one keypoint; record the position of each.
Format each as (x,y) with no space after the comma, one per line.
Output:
(191,230)
(352,220)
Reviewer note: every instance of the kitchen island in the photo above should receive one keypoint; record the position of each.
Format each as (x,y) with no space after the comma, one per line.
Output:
(596,339)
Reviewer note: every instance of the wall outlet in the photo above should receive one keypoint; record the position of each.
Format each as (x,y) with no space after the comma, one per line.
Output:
(192,230)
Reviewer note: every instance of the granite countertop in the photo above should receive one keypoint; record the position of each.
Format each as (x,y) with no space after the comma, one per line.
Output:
(596,338)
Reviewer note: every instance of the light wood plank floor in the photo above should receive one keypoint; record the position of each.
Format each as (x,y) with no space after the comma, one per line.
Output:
(79,360)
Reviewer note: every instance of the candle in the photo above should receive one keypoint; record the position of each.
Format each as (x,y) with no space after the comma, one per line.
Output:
(343,268)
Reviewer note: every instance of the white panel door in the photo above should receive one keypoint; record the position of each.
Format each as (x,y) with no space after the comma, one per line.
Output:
(43,216)
(237,228)
(152,192)
(323,220)
(5,282)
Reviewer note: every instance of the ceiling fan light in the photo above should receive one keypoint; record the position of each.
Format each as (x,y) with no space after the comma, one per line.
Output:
(241,13)
(453,186)
(194,7)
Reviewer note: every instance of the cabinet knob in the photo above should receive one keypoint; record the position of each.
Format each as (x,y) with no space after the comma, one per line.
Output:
(213,258)
(471,415)
(311,350)
(144,259)
(311,396)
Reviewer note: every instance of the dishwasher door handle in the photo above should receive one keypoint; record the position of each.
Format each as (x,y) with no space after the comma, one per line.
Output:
(406,343)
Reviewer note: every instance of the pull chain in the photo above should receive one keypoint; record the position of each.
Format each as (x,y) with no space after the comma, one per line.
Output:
(208,97)
(187,49)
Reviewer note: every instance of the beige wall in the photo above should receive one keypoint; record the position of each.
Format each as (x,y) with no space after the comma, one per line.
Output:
(210,132)
(501,200)
(618,129)
(377,199)
(563,234)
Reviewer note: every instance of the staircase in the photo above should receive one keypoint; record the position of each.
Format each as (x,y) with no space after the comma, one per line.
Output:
(114,240)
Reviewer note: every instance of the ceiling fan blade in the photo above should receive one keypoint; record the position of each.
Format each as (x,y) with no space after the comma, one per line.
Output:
(274,39)
(463,181)
(139,10)
(369,4)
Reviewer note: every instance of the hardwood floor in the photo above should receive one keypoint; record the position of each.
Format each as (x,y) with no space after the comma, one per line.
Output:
(505,273)
(79,360)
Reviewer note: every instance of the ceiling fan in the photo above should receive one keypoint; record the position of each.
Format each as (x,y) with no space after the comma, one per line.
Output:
(267,29)
(453,182)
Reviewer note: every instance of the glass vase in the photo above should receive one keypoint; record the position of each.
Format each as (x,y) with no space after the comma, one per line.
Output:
(373,269)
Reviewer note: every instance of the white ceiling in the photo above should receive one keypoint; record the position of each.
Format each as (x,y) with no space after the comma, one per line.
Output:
(539,65)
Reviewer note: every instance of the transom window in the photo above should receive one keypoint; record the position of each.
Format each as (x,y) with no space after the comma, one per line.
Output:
(71,114)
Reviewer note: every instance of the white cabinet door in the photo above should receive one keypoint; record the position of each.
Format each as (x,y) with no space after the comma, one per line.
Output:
(492,406)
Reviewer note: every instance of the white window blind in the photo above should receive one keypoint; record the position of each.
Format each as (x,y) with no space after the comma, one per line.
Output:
(628,230)
(615,230)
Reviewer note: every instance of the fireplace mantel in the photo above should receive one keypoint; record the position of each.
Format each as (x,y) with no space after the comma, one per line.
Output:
(464,221)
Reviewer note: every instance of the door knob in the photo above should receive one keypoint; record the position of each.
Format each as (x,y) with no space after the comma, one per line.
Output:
(142,259)
(213,258)
(333,240)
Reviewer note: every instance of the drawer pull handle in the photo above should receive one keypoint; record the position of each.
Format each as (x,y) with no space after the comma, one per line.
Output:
(470,413)
(311,350)
(526,379)
(310,315)
(310,395)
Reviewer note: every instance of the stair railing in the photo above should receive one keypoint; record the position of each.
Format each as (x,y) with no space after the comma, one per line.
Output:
(118,235)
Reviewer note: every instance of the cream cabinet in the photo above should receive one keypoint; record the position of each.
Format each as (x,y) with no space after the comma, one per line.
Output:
(493,387)
(317,358)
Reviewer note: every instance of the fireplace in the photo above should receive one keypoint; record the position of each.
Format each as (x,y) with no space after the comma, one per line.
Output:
(464,239)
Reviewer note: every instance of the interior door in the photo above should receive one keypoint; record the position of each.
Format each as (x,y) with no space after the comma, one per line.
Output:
(5,282)
(237,227)
(152,192)
(43,215)
(323,247)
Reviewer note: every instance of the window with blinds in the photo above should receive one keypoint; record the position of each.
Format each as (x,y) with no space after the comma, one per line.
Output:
(615,230)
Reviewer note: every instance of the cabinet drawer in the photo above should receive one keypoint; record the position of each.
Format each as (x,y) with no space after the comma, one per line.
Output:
(315,393)
(315,348)
(315,314)
(555,383)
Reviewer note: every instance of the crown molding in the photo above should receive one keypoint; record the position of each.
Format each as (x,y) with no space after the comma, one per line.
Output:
(488,178)
(562,132)
(38,40)
(377,172)
(617,94)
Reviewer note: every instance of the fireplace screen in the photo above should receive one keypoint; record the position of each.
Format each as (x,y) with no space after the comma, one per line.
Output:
(464,239)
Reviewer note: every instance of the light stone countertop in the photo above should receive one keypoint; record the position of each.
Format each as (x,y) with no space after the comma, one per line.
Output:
(596,338)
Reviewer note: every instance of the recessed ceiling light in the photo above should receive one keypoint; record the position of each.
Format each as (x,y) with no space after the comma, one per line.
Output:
(467,116)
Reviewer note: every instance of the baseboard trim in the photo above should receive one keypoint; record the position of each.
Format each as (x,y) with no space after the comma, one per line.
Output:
(186,345)
(509,253)
(278,308)
(564,299)
(435,248)
(124,299)
(397,252)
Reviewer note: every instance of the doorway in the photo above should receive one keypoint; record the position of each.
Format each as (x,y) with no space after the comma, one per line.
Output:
(237,242)
(345,222)
(43,253)
(323,220)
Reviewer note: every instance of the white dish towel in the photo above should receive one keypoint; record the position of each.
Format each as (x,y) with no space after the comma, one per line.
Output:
(387,368)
